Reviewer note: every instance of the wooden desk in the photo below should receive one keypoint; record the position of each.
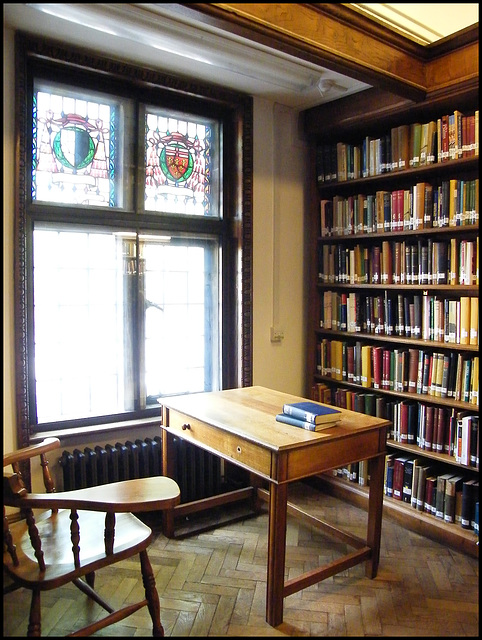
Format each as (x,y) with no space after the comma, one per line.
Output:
(239,425)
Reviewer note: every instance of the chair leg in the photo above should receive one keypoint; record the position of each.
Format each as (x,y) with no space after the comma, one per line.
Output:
(34,628)
(90,579)
(152,596)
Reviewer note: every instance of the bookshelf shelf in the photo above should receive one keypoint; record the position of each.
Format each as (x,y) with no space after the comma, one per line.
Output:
(437,457)
(431,232)
(409,302)
(443,288)
(428,399)
(428,344)
(469,166)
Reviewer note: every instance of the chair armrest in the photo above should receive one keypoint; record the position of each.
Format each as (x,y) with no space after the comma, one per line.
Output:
(49,444)
(128,496)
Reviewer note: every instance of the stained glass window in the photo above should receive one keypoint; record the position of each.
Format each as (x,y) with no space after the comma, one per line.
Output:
(129,264)
(76,149)
(179,166)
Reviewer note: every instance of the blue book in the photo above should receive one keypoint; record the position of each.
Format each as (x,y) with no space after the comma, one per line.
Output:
(303,424)
(312,412)
(389,482)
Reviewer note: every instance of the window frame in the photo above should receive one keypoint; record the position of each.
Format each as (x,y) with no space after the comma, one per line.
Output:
(49,60)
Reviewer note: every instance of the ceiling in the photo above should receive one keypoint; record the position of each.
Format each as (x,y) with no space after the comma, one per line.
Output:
(423,23)
(161,36)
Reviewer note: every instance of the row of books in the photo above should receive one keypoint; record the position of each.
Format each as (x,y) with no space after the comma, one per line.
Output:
(445,430)
(450,137)
(438,429)
(425,317)
(424,262)
(423,206)
(405,370)
(451,497)
(354,472)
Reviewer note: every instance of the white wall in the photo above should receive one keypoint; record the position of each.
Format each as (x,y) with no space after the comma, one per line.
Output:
(280,188)
(279,195)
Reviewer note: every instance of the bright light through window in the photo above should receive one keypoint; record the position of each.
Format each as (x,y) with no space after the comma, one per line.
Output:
(93,297)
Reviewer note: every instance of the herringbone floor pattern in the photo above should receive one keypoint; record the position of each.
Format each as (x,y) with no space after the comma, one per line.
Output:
(214,584)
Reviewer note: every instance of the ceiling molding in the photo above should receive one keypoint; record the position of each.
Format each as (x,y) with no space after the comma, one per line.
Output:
(311,32)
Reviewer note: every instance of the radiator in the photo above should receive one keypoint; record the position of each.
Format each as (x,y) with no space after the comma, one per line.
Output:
(198,472)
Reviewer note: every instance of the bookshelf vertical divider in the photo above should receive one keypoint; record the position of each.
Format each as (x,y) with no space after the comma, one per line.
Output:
(390,299)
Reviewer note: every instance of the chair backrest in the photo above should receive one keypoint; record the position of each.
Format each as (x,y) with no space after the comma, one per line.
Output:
(14,486)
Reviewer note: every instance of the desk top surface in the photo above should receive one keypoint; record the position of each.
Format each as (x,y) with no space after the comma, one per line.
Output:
(250,412)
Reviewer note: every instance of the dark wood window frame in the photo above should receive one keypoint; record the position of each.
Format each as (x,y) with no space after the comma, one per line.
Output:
(32,55)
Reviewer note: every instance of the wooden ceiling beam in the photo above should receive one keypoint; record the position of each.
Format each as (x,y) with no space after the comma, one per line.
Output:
(362,49)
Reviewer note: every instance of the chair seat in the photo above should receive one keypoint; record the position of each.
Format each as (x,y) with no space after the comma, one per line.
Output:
(131,535)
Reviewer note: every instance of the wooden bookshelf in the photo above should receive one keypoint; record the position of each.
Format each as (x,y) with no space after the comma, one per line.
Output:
(351,128)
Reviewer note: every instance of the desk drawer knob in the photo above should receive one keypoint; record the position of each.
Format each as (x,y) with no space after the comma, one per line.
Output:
(238,449)
(185,426)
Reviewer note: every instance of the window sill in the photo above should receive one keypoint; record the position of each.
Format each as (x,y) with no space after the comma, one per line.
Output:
(93,432)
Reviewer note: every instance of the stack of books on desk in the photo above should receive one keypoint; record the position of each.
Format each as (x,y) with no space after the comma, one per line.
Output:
(309,415)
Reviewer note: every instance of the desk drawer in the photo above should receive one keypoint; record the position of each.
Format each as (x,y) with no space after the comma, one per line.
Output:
(227,445)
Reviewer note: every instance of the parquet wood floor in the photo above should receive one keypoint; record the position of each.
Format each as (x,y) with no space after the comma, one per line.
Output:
(214,584)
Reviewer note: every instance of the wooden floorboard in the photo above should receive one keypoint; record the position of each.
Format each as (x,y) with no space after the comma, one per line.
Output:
(214,584)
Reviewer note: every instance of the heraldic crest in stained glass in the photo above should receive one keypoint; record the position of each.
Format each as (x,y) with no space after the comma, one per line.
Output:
(175,152)
(175,159)
(73,146)
(73,151)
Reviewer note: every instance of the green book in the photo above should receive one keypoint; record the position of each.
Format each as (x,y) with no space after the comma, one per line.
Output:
(415,144)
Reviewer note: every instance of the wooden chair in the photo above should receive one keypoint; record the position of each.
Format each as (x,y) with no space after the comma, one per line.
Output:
(78,533)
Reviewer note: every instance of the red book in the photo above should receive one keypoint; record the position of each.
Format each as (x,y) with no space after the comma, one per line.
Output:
(439,431)
(426,372)
(341,398)
(429,427)
(403,422)
(430,490)
(398,471)
(413,355)
(350,363)
(445,138)
(375,265)
(377,357)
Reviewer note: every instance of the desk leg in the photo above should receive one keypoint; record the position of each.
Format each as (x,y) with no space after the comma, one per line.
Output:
(278,495)
(375,509)
(167,470)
